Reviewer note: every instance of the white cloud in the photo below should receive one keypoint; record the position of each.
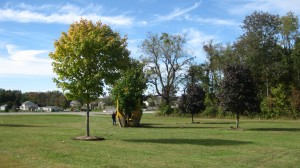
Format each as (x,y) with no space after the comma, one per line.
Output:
(24,6)
(274,6)
(183,14)
(65,14)
(195,41)
(25,62)
(177,12)
(214,21)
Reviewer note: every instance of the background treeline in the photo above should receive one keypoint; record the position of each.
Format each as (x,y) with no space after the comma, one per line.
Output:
(270,48)
(14,98)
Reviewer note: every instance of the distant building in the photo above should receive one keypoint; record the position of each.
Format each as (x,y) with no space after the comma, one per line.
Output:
(75,105)
(153,101)
(109,109)
(52,109)
(3,107)
(29,106)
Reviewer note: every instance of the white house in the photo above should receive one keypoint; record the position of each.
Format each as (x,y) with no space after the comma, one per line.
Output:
(52,109)
(3,107)
(29,106)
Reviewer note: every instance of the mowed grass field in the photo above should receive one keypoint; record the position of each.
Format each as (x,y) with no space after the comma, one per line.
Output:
(46,141)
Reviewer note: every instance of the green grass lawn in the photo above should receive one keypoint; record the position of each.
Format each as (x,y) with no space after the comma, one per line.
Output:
(46,141)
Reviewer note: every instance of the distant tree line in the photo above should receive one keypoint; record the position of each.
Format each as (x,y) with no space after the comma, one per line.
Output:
(14,98)
(268,50)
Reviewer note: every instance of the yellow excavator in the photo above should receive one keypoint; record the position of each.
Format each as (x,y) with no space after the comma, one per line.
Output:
(132,120)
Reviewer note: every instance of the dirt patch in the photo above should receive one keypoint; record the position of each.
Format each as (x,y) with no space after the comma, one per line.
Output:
(88,138)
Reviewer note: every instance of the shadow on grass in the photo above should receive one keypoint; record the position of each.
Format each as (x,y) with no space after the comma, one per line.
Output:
(19,125)
(275,129)
(158,126)
(203,142)
(218,123)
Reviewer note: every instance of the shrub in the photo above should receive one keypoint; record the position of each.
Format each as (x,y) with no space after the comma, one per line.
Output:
(277,104)
(295,100)
(166,110)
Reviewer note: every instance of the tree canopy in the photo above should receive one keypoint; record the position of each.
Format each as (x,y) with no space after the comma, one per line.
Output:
(128,93)
(238,91)
(85,58)
(193,101)
(165,55)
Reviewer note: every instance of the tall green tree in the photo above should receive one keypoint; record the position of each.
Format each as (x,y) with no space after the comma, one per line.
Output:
(259,48)
(214,65)
(11,98)
(85,58)
(193,101)
(289,30)
(166,56)
(296,63)
(217,55)
(196,74)
(238,92)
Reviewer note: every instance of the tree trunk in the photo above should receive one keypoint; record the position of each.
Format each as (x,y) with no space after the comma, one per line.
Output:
(298,77)
(237,120)
(121,119)
(88,120)
(267,88)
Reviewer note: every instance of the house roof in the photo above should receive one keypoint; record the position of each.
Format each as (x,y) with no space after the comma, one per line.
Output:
(29,103)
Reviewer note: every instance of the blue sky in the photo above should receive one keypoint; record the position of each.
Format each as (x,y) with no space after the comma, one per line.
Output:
(28,29)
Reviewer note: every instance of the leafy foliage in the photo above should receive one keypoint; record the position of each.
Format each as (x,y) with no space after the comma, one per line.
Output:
(296,64)
(289,31)
(51,98)
(258,47)
(11,98)
(85,58)
(238,90)
(166,56)
(193,101)
(128,90)
(277,104)
(211,106)
(295,99)
(14,98)
(166,109)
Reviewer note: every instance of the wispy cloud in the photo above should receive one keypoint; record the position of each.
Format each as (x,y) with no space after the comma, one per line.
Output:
(64,14)
(177,13)
(184,14)
(214,21)
(25,62)
(273,6)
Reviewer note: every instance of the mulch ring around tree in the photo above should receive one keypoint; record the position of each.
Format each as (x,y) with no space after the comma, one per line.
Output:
(236,129)
(88,138)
